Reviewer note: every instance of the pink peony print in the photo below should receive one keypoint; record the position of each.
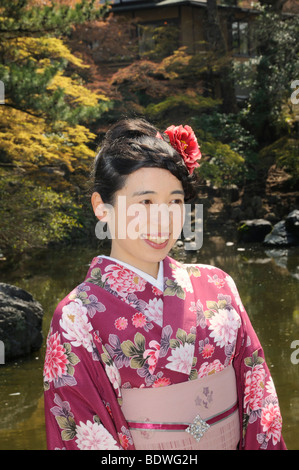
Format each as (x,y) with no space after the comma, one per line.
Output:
(124,440)
(113,375)
(122,280)
(272,422)
(75,323)
(121,323)
(162,382)
(182,278)
(210,368)
(56,359)
(207,350)
(152,355)
(254,389)
(224,325)
(154,311)
(156,291)
(218,282)
(270,387)
(181,358)
(93,436)
(139,320)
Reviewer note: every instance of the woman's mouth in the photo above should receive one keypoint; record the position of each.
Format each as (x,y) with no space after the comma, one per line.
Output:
(158,241)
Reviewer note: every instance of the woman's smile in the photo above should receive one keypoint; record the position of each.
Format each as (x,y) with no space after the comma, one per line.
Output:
(157,242)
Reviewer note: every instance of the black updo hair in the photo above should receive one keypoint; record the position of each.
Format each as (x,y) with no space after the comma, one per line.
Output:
(129,145)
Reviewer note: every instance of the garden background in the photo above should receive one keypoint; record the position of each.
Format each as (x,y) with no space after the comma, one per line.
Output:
(69,70)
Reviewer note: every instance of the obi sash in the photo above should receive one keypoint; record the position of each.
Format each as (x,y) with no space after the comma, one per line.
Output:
(198,414)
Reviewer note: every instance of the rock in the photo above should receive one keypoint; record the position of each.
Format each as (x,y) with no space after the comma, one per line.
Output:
(230,193)
(237,214)
(292,222)
(280,236)
(20,321)
(272,218)
(254,230)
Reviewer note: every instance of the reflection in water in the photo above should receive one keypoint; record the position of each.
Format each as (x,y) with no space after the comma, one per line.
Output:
(268,285)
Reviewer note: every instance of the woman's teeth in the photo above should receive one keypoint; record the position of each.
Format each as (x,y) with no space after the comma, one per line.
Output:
(156,239)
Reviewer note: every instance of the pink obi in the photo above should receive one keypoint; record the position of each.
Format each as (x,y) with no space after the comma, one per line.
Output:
(198,414)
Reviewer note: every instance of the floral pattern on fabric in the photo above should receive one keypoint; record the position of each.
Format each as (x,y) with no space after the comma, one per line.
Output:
(256,406)
(115,330)
(88,436)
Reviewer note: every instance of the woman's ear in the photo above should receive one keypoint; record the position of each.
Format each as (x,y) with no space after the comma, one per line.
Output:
(99,207)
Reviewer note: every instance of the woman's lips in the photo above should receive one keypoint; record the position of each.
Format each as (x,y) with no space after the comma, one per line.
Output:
(158,241)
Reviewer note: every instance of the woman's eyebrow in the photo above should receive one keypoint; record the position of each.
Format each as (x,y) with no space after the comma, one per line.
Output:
(142,193)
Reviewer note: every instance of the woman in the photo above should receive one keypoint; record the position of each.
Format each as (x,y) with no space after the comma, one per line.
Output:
(148,353)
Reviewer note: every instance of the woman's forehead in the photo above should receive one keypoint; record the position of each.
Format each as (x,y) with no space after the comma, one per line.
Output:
(152,180)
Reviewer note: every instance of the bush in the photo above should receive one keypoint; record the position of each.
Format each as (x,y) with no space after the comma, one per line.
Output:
(220,165)
(33,216)
(284,151)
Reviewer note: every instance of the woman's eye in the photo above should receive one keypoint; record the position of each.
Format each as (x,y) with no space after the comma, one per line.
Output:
(146,201)
(177,201)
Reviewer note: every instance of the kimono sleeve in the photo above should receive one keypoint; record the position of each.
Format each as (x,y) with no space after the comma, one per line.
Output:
(260,415)
(82,411)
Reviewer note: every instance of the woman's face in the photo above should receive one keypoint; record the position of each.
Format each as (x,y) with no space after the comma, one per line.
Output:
(147,218)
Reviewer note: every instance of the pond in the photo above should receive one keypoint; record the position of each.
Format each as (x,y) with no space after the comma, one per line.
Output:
(267,280)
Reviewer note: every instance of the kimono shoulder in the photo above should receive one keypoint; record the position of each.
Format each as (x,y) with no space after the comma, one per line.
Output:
(215,281)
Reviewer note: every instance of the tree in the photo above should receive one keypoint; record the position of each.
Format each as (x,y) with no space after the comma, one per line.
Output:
(45,97)
(269,107)
(218,45)
(45,121)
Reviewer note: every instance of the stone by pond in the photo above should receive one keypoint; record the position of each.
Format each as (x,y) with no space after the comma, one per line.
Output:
(20,322)
(283,233)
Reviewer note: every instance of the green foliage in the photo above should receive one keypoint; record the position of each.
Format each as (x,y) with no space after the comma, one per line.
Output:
(228,129)
(33,216)
(159,41)
(285,153)
(220,165)
(277,66)
(183,104)
(45,120)
(22,17)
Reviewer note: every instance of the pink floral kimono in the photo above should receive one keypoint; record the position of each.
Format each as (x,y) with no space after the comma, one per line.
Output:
(117,333)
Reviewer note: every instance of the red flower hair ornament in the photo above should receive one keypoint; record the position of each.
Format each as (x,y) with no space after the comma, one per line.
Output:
(183,139)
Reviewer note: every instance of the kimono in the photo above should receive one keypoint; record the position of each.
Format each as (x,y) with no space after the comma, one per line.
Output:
(116,332)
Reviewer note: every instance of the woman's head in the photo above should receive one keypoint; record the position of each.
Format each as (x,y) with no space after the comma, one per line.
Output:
(138,172)
(132,144)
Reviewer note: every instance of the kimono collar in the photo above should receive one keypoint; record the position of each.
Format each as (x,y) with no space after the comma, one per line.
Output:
(155,282)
